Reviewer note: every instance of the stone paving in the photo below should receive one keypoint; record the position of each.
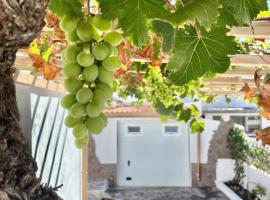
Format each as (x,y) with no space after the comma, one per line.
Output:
(167,194)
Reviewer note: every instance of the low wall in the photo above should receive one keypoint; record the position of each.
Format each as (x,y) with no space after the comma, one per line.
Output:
(225,172)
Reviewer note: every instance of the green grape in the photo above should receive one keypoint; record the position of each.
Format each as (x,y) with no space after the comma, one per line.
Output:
(101,23)
(107,90)
(113,38)
(99,97)
(68,100)
(113,51)
(63,57)
(70,54)
(70,122)
(90,74)
(77,110)
(72,85)
(100,51)
(105,76)
(84,95)
(82,142)
(103,119)
(80,130)
(94,125)
(112,63)
(72,36)
(72,70)
(96,34)
(93,109)
(68,25)
(85,31)
(85,59)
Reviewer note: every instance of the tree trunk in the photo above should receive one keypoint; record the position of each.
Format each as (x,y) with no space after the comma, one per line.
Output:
(20,22)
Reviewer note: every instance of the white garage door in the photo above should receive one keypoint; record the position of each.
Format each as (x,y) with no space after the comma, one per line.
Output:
(153,154)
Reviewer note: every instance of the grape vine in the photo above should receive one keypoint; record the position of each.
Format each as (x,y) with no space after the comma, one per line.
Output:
(193,45)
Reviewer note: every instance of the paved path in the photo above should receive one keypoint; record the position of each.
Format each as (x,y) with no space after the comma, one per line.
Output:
(167,194)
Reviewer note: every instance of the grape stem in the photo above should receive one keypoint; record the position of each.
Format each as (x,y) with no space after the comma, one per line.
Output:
(88,7)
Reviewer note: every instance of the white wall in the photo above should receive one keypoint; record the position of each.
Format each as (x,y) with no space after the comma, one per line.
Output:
(106,142)
(225,172)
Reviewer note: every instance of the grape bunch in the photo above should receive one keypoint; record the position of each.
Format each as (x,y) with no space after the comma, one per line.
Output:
(90,61)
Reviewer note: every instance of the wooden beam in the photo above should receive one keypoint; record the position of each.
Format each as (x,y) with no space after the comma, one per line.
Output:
(250,60)
(259,29)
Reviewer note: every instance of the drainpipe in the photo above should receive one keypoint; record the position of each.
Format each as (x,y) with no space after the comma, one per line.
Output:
(198,167)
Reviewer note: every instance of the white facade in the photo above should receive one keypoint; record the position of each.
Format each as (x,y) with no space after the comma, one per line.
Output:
(107,144)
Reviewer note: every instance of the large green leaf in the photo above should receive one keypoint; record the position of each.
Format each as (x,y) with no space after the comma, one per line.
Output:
(205,12)
(245,10)
(68,8)
(133,16)
(196,54)
(166,31)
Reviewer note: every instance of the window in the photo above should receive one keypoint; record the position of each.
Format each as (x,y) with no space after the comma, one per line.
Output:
(171,130)
(254,117)
(252,128)
(134,130)
(217,117)
(240,120)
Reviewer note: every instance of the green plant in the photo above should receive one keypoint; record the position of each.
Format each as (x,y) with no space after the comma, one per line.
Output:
(259,191)
(239,148)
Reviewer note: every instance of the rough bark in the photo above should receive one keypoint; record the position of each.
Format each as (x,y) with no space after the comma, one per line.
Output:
(20,22)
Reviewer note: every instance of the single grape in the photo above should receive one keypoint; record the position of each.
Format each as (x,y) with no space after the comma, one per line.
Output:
(105,76)
(85,31)
(101,23)
(96,34)
(77,110)
(93,109)
(70,122)
(82,142)
(94,125)
(100,51)
(113,38)
(68,100)
(84,95)
(72,70)
(99,97)
(72,36)
(80,130)
(72,85)
(90,74)
(85,59)
(103,119)
(68,25)
(70,53)
(107,90)
(112,63)
(113,51)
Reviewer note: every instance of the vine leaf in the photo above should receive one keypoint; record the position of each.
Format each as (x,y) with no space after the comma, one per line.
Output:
(69,8)
(196,54)
(166,31)
(133,16)
(205,12)
(246,10)
(197,126)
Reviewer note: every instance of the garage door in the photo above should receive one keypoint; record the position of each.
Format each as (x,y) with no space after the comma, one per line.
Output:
(153,154)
